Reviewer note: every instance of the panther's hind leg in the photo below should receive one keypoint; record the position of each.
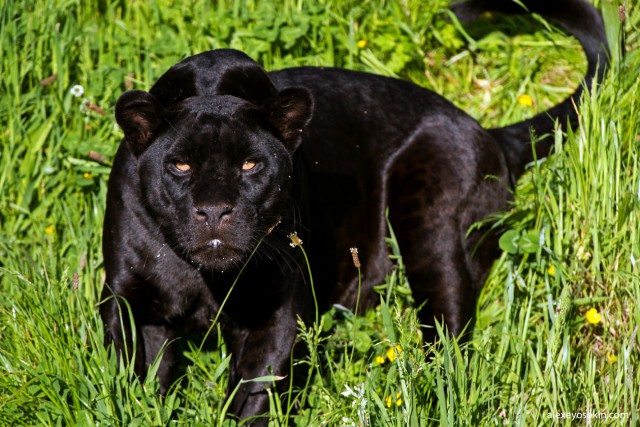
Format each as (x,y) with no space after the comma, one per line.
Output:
(438,185)
(442,285)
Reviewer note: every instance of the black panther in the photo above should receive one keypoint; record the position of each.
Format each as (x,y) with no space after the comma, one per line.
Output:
(224,167)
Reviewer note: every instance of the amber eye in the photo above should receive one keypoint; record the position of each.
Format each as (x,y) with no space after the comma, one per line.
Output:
(248,165)
(183,167)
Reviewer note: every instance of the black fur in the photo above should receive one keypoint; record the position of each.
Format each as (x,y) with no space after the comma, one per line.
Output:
(221,161)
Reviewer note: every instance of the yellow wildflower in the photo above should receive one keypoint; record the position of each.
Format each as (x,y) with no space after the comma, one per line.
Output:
(389,400)
(525,100)
(612,358)
(362,43)
(87,175)
(593,316)
(380,360)
(552,271)
(49,230)
(394,351)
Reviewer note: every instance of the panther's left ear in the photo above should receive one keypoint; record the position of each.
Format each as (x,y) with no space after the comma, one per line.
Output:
(289,111)
(138,114)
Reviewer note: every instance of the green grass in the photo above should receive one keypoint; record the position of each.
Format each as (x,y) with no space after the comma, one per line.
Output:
(532,356)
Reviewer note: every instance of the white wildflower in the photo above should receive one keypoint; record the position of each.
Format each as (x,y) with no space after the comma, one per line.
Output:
(77,91)
(359,402)
(346,422)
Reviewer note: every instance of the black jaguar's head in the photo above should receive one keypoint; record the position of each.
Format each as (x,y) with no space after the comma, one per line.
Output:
(215,170)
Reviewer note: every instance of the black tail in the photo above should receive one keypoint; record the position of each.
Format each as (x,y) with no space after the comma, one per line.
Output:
(578,18)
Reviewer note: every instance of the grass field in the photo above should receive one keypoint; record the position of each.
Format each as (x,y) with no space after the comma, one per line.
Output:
(536,358)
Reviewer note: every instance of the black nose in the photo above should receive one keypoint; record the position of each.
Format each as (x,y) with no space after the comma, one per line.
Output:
(212,214)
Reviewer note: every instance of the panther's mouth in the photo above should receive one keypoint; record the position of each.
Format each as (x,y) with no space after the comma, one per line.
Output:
(216,255)
(221,252)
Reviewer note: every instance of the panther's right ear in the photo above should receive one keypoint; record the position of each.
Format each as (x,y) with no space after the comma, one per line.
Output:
(138,114)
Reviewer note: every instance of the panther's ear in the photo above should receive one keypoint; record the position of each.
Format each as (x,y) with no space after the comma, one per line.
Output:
(246,81)
(289,112)
(138,114)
